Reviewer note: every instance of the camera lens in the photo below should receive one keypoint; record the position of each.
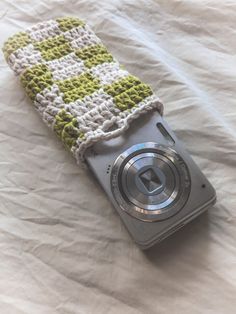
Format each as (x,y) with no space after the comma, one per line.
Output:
(151,182)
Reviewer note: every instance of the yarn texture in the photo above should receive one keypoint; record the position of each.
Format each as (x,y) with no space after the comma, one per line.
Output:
(77,86)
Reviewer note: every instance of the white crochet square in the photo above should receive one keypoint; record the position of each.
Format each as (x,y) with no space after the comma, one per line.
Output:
(49,114)
(98,98)
(49,97)
(44,30)
(77,108)
(24,58)
(66,67)
(81,37)
(95,112)
(108,72)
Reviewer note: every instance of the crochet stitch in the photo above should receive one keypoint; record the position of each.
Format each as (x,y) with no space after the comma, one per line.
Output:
(77,86)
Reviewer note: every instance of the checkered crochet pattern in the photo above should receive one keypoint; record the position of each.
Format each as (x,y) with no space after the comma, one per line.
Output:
(77,86)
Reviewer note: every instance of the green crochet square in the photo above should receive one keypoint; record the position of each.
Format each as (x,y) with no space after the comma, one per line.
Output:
(35,79)
(50,43)
(99,59)
(67,23)
(78,87)
(94,55)
(30,73)
(66,127)
(128,92)
(132,97)
(57,52)
(122,85)
(15,42)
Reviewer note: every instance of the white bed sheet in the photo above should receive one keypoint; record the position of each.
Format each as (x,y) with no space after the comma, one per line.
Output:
(63,249)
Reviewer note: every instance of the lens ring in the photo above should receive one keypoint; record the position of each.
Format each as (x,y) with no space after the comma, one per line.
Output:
(151,195)
(155,211)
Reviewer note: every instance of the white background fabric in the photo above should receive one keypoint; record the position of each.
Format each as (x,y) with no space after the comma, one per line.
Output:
(63,249)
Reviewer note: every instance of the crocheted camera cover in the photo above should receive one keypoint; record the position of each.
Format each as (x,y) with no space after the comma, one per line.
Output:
(78,87)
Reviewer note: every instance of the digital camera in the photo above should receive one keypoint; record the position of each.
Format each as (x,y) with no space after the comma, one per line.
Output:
(151,180)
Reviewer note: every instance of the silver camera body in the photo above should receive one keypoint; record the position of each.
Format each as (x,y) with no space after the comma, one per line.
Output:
(150,179)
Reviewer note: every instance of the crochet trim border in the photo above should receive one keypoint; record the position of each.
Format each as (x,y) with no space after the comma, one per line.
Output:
(77,86)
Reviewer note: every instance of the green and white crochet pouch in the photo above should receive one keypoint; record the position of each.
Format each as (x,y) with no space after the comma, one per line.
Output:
(80,90)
